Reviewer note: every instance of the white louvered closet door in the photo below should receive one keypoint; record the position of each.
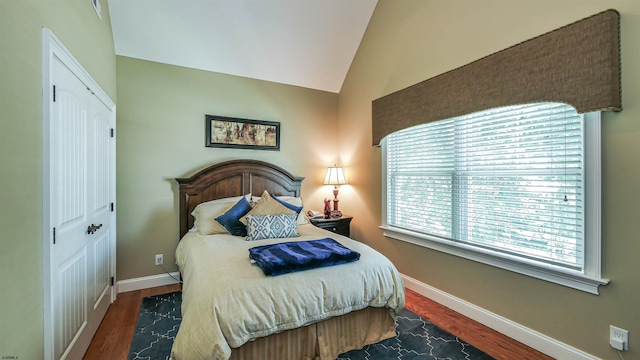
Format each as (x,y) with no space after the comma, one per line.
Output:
(80,209)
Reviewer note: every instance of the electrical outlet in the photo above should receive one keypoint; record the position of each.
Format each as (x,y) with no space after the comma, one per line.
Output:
(159,259)
(618,338)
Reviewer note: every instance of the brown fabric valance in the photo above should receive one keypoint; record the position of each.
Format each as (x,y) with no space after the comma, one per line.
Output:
(578,64)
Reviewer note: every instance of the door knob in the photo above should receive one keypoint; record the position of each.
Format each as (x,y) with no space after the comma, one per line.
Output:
(93,228)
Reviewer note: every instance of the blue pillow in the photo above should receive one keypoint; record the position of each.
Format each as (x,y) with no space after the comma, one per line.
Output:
(230,219)
(297,209)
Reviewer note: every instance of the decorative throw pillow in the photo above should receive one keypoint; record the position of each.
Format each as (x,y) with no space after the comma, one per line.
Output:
(230,219)
(293,203)
(206,214)
(267,206)
(271,226)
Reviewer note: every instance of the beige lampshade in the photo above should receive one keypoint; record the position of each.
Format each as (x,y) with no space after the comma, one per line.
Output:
(335,176)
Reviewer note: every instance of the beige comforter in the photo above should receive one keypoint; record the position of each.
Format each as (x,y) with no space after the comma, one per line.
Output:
(228,301)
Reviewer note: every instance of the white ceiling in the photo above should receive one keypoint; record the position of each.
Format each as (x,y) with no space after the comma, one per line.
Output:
(308,43)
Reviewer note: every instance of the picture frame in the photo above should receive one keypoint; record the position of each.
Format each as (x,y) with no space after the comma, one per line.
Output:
(229,132)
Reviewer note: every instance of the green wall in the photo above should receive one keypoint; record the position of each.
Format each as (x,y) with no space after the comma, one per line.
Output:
(160,136)
(90,40)
(413,40)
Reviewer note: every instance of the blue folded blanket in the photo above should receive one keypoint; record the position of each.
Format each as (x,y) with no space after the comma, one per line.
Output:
(286,257)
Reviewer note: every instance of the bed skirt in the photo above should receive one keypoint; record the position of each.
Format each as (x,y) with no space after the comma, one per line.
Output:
(324,340)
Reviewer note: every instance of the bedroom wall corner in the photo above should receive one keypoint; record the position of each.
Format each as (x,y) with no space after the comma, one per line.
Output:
(161,124)
(90,40)
(414,40)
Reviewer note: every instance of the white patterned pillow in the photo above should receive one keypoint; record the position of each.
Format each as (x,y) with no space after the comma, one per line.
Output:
(271,226)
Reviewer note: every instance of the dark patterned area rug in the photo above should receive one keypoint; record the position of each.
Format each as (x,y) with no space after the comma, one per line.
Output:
(416,338)
(158,323)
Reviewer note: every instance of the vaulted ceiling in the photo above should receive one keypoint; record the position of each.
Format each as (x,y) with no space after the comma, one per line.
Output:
(307,43)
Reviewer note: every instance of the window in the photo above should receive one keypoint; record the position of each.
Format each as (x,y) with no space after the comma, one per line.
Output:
(516,187)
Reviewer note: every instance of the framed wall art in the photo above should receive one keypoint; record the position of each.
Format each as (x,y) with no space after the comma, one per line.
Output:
(228,132)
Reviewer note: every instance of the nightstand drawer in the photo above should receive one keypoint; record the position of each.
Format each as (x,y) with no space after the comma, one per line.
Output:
(342,229)
(341,226)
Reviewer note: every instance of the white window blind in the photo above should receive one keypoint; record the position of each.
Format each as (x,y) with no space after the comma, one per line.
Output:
(508,180)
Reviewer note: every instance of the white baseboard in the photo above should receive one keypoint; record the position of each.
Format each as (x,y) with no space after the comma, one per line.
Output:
(148,282)
(529,337)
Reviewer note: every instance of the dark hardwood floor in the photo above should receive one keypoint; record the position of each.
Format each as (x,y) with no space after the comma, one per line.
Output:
(113,338)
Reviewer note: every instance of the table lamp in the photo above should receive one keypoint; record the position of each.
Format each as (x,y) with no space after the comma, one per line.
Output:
(335,176)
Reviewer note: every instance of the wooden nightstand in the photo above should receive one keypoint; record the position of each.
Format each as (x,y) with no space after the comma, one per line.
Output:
(338,225)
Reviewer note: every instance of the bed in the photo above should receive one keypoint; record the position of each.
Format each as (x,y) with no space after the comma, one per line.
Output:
(231,310)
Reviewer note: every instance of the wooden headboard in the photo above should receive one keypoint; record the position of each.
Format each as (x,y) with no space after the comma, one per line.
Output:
(233,178)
